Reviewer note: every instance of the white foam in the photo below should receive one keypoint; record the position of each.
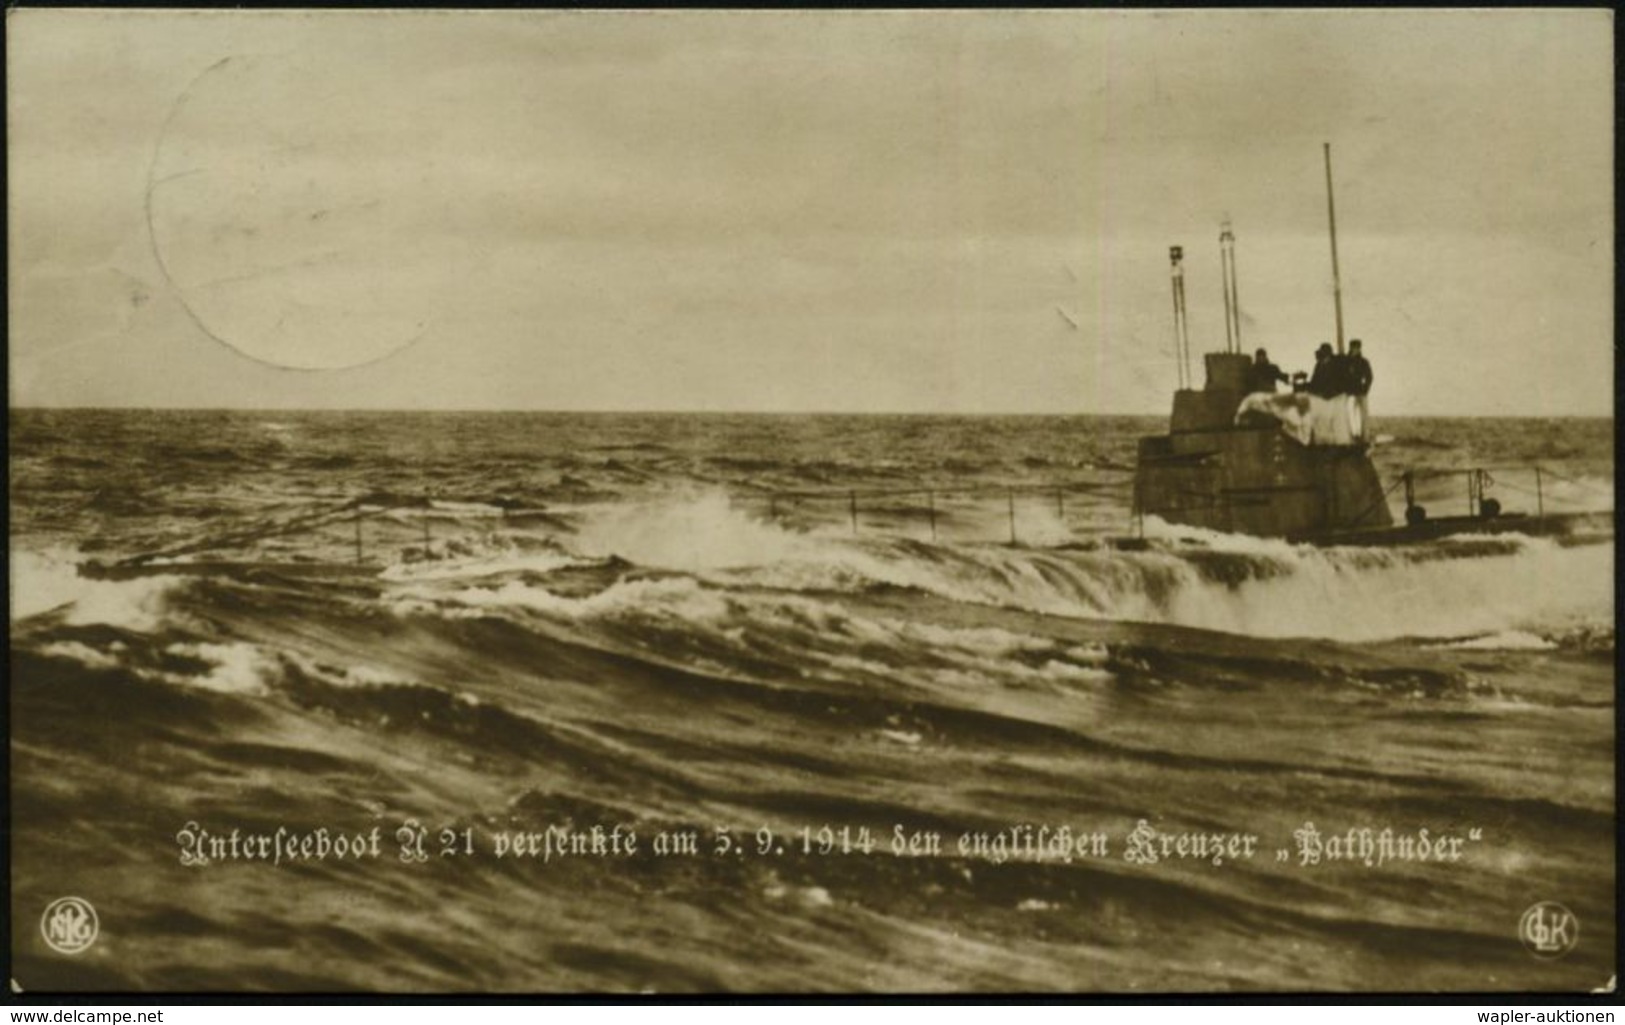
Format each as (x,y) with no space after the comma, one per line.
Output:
(1323,595)
(1038,524)
(815,897)
(42,581)
(675,597)
(1285,590)
(1448,591)
(237,668)
(688,530)
(1157,529)
(1505,640)
(480,562)
(365,676)
(49,580)
(84,654)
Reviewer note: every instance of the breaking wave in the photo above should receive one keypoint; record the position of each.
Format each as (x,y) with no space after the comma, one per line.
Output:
(1260,587)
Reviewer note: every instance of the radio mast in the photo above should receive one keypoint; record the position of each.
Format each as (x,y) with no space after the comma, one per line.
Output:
(1232,300)
(1331,215)
(1182,338)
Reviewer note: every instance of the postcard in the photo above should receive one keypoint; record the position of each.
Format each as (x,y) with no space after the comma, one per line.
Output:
(816,502)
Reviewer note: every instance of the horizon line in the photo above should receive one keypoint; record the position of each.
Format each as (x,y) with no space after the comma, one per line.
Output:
(508,411)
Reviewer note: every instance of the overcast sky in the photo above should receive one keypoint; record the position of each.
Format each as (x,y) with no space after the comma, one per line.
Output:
(828,211)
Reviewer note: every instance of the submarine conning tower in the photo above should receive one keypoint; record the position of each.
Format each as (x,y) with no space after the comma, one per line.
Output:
(1252,477)
(1248,461)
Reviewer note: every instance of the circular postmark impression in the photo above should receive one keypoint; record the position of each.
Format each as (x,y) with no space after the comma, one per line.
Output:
(69,925)
(300,210)
(1549,930)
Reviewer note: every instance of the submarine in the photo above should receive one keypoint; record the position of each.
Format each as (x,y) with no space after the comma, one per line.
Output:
(1240,459)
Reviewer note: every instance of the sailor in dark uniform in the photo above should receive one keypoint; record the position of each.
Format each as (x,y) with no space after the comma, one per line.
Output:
(1357,371)
(1324,382)
(1263,374)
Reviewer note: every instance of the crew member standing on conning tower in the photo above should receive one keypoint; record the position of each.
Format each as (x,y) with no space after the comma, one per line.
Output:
(1323,382)
(1263,374)
(1358,371)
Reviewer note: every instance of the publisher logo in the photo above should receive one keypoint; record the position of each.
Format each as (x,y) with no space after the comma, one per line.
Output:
(69,925)
(1549,930)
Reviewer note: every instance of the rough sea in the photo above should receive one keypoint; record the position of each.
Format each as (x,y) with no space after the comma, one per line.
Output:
(563,703)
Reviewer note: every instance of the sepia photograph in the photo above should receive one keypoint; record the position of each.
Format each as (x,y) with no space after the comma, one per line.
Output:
(645,503)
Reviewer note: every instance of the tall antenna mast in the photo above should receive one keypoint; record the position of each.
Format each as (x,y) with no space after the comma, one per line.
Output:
(1331,215)
(1224,276)
(1232,299)
(1182,342)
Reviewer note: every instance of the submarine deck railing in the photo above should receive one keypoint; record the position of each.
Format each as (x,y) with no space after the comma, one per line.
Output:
(856,497)
(1479,481)
(371,506)
(355,510)
(1481,478)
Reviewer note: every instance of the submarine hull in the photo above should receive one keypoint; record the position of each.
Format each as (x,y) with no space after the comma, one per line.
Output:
(1251,478)
(1258,481)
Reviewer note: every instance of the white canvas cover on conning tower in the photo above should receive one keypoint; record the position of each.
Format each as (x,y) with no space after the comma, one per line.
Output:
(1309,419)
